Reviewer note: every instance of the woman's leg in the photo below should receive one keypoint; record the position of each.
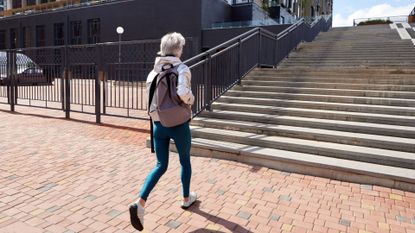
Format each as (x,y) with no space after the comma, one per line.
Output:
(183,140)
(161,146)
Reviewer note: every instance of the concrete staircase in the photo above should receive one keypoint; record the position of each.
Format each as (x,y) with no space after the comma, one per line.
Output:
(341,107)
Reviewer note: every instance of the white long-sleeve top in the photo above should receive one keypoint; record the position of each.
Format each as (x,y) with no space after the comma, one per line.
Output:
(184,88)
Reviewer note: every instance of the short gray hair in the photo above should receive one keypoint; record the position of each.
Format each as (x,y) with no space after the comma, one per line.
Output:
(171,44)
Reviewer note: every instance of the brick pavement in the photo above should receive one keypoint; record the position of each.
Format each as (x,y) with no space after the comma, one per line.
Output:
(67,176)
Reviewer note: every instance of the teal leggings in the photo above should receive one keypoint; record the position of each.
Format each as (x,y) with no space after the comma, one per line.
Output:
(182,138)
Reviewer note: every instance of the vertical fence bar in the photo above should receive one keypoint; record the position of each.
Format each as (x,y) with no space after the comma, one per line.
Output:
(11,62)
(62,78)
(260,46)
(239,73)
(97,95)
(67,85)
(104,75)
(208,82)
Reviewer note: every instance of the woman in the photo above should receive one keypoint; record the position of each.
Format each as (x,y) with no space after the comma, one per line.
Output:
(171,49)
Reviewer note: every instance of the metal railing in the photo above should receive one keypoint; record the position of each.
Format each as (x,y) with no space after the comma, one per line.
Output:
(94,79)
(220,68)
(394,19)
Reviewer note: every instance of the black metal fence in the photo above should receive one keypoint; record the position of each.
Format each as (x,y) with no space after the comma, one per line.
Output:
(219,69)
(109,78)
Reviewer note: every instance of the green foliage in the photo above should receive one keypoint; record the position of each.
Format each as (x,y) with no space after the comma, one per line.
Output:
(30,64)
(374,22)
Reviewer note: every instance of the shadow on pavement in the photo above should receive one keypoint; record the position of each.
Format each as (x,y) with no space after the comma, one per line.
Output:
(218,220)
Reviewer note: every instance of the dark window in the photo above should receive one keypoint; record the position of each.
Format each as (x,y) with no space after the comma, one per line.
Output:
(13,38)
(58,34)
(23,37)
(2,39)
(31,2)
(17,3)
(94,31)
(40,36)
(27,37)
(76,32)
(43,1)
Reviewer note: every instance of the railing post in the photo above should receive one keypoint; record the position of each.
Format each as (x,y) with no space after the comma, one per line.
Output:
(67,85)
(260,46)
(276,52)
(103,77)
(239,60)
(62,79)
(208,81)
(10,75)
(97,95)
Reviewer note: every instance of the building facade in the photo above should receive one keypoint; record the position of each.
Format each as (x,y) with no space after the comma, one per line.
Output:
(38,23)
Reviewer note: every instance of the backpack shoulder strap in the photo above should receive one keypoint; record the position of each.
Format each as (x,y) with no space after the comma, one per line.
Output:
(150,99)
(153,86)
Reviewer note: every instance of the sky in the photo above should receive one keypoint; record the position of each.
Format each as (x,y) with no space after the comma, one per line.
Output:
(347,10)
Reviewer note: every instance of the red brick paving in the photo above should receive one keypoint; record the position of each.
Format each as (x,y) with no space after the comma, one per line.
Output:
(60,175)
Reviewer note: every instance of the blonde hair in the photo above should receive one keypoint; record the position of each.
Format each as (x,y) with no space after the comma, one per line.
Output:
(171,44)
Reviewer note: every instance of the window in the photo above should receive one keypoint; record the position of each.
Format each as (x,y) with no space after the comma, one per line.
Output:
(40,35)
(3,39)
(94,30)
(76,32)
(58,34)
(16,3)
(27,37)
(31,2)
(13,38)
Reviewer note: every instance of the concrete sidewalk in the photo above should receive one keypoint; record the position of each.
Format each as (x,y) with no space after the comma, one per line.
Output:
(60,175)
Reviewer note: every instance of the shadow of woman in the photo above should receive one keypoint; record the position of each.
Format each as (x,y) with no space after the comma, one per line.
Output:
(231,226)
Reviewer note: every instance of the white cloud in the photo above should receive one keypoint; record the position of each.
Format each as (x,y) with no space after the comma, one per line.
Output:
(381,10)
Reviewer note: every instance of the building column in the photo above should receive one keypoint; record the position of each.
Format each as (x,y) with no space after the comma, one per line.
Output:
(9,4)
(24,3)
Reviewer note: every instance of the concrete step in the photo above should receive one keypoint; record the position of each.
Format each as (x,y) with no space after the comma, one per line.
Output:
(364,44)
(303,163)
(357,74)
(318,113)
(346,126)
(406,50)
(351,57)
(328,85)
(356,139)
(324,98)
(317,65)
(384,71)
(339,78)
(333,150)
(364,108)
(324,56)
(325,91)
(388,46)
(353,62)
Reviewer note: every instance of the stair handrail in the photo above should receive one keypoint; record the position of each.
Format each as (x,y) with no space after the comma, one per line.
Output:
(218,69)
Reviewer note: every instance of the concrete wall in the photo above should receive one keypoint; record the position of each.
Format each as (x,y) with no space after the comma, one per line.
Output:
(213,37)
(242,12)
(215,11)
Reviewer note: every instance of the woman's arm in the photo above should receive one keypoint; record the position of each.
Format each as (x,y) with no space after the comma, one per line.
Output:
(184,87)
